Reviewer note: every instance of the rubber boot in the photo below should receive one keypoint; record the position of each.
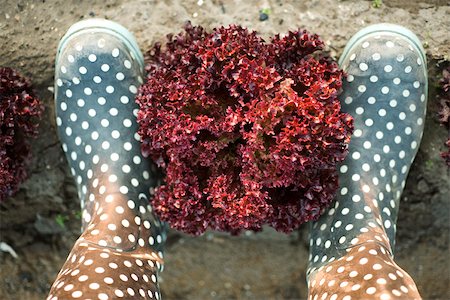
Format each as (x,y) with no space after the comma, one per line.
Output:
(352,244)
(99,68)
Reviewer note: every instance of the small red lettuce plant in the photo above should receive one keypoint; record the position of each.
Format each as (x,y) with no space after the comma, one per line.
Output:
(444,113)
(248,133)
(19,107)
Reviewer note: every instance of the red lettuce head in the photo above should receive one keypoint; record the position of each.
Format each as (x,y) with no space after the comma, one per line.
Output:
(19,107)
(444,113)
(248,133)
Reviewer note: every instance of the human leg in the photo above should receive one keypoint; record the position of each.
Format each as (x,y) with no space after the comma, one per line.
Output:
(352,244)
(119,253)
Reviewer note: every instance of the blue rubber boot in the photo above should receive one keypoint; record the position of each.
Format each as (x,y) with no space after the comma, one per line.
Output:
(99,68)
(352,244)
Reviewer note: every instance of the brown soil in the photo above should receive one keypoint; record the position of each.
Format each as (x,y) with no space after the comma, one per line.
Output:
(268,265)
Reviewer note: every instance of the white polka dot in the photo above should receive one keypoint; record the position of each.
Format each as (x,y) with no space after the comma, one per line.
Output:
(127,146)
(388,68)
(97,79)
(400,57)
(359,110)
(112,178)
(393,103)
(389,44)
(104,168)
(103,296)
(127,64)
(104,122)
(363,66)
(377,158)
(113,112)
(385,90)
(371,100)
(110,89)
(108,280)
(373,78)
(120,76)
(115,52)
(124,99)
(87,91)
(419,121)
(123,189)
(390,125)
(356,198)
(123,277)
(92,57)
(94,286)
(101,101)
(105,67)
(408,130)
(366,167)
(126,168)
(133,89)
(350,78)
(77,294)
(115,134)
(405,93)
(68,93)
(376,56)
(377,267)
(136,160)
(362,88)
(127,123)
(356,155)
(408,69)
(382,112)
(82,70)
(369,122)
(92,112)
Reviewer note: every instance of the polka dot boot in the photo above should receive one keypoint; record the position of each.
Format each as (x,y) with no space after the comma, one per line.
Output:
(352,243)
(98,70)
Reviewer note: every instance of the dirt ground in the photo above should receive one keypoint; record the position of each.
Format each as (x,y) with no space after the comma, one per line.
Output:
(267,265)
